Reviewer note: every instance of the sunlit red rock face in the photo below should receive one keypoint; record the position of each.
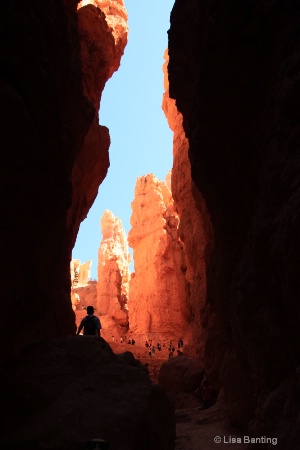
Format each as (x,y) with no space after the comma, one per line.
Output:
(113,274)
(233,74)
(158,289)
(194,228)
(80,272)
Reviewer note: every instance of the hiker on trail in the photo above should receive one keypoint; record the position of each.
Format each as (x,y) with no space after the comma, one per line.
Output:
(180,342)
(91,324)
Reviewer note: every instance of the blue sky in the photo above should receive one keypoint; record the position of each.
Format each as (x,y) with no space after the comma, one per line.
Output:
(141,141)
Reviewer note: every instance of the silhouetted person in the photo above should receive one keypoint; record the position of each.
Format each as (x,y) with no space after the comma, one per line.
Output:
(91,324)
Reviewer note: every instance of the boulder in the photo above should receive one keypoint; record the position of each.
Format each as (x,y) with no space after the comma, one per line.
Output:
(94,394)
(181,374)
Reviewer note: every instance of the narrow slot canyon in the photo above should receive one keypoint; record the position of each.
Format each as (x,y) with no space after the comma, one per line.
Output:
(216,245)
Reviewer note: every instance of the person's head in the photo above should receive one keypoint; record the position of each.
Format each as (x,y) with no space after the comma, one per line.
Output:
(90,310)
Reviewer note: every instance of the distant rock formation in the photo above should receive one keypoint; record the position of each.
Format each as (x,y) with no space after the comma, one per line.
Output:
(195,228)
(80,273)
(158,304)
(80,276)
(113,270)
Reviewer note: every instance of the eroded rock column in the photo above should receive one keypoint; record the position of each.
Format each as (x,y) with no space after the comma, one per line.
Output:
(113,273)
(158,305)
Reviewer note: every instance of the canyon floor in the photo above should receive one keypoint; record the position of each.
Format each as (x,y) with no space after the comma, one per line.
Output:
(196,427)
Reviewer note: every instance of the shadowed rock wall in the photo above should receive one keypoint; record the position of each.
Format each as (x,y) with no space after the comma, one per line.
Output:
(234,72)
(60,391)
(55,65)
(45,118)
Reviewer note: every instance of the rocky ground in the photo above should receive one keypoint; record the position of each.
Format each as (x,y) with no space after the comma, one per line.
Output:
(196,428)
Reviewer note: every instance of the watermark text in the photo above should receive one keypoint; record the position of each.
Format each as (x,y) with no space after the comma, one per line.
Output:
(245,440)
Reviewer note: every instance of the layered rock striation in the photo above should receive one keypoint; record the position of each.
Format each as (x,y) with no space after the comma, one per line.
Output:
(113,270)
(158,305)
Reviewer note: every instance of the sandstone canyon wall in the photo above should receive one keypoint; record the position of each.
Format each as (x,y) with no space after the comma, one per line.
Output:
(55,64)
(194,228)
(113,275)
(59,391)
(102,29)
(234,73)
(158,302)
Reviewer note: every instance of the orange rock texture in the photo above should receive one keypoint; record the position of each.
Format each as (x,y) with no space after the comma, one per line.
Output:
(194,228)
(113,272)
(103,34)
(158,288)
(80,272)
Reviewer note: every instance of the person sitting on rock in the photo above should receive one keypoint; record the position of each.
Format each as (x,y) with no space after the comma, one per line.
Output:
(91,324)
